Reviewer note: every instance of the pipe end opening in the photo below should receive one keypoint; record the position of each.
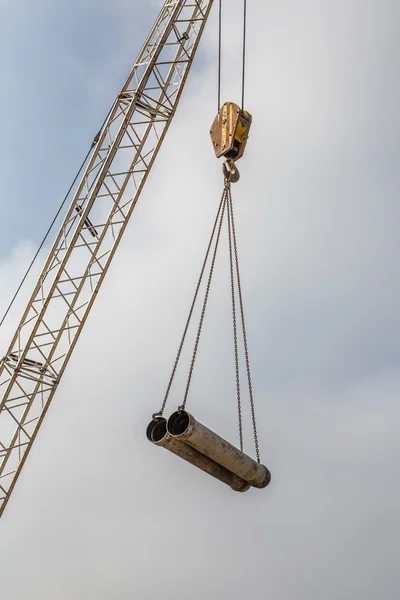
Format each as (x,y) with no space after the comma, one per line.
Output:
(178,422)
(156,430)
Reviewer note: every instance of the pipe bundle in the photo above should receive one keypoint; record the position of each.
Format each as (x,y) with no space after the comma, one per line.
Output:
(184,436)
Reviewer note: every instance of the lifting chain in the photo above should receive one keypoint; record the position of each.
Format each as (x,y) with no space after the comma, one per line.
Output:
(203,311)
(217,218)
(225,205)
(235,344)
(246,350)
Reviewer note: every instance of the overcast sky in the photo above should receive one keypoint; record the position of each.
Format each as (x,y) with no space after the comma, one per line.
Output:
(99,513)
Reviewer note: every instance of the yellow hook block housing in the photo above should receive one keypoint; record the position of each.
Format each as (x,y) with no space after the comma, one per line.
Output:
(230,130)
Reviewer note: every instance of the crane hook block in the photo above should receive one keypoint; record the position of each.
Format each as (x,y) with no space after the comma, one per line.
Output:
(230,130)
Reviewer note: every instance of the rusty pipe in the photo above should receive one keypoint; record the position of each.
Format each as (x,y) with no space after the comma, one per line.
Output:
(157,434)
(183,427)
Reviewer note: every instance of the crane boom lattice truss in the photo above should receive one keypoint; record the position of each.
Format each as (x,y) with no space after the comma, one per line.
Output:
(103,202)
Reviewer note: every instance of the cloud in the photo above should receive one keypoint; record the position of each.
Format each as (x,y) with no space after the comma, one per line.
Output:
(99,513)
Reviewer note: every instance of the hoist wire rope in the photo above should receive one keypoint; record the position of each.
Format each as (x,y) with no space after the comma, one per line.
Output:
(244,49)
(244,41)
(246,351)
(42,243)
(219,52)
(224,198)
(161,412)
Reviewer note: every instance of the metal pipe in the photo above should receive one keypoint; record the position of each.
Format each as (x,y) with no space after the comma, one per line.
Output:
(184,427)
(157,434)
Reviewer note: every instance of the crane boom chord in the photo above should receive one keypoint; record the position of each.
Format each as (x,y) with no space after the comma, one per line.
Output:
(122,156)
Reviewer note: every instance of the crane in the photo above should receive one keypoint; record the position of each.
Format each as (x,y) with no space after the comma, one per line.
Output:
(117,167)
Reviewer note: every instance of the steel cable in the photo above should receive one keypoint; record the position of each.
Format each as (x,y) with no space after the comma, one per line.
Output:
(54,219)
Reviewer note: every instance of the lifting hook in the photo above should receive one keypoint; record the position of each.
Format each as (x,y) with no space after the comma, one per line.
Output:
(230,171)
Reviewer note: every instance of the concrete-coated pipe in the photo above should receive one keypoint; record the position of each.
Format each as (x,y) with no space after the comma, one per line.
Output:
(157,434)
(183,427)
